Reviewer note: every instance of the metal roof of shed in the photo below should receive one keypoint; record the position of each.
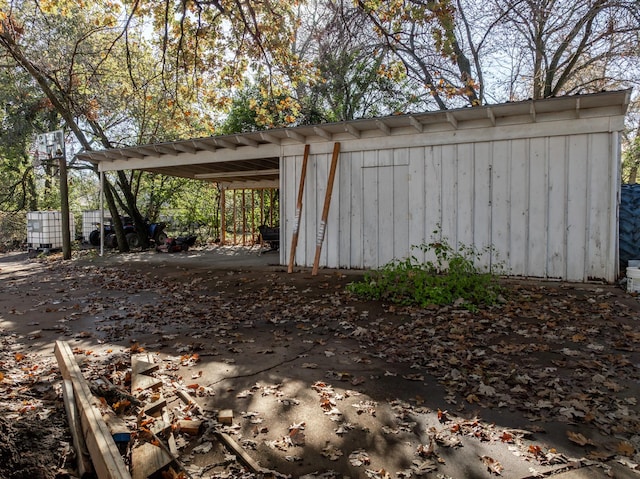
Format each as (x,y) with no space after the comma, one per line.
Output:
(252,159)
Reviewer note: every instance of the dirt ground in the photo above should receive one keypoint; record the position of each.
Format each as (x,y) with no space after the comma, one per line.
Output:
(322,384)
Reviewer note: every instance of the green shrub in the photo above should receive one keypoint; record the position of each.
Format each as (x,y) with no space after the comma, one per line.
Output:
(452,277)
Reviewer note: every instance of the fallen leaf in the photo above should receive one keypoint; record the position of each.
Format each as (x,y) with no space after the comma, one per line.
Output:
(493,466)
(578,438)
(625,448)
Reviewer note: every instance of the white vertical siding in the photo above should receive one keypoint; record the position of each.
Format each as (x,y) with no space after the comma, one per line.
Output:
(482,212)
(556,259)
(544,203)
(537,220)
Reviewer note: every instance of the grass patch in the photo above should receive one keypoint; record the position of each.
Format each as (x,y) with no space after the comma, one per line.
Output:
(452,278)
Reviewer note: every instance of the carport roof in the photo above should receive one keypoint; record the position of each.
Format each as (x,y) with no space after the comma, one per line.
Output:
(249,160)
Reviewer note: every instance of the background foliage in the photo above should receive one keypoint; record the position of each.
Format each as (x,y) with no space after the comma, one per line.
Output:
(134,72)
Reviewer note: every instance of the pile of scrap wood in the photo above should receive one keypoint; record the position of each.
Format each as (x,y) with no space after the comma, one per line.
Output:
(141,444)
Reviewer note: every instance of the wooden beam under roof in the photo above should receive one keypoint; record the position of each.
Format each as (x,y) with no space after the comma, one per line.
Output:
(416,124)
(246,141)
(270,138)
(352,130)
(147,151)
(453,121)
(133,153)
(165,149)
(114,154)
(383,127)
(225,143)
(204,145)
(532,111)
(185,147)
(491,116)
(322,133)
(295,136)
(238,174)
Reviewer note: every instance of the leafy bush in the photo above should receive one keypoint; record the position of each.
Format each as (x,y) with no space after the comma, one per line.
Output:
(452,277)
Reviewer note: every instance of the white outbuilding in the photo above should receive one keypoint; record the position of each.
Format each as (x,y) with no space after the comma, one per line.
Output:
(538,181)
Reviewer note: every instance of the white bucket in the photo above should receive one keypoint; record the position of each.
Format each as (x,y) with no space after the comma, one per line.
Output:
(633,280)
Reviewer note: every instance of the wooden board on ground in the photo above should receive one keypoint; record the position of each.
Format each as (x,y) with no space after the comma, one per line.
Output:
(106,458)
(148,459)
(82,453)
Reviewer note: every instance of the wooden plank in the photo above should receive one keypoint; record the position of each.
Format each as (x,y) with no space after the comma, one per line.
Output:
(140,383)
(370,218)
(500,226)
(465,194)
(416,199)
(433,196)
(190,427)
(384,233)
(518,205)
(139,366)
(107,462)
(578,182)
(482,202)
(224,438)
(355,218)
(82,453)
(296,226)
(147,459)
(401,205)
(240,453)
(449,193)
(155,408)
(325,209)
(538,198)
(118,427)
(557,196)
(599,208)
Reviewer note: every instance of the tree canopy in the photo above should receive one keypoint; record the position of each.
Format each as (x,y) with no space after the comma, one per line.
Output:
(139,71)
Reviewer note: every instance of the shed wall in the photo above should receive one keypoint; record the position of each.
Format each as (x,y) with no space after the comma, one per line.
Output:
(543,195)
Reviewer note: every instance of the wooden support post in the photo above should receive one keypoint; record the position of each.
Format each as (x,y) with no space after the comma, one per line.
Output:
(106,458)
(271,207)
(253,217)
(244,218)
(223,219)
(296,226)
(235,219)
(325,209)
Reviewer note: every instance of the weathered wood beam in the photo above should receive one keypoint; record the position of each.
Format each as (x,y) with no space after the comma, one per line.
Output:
(106,458)
(452,120)
(238,174)
(322,133)
(532,112)
(416,124)
(225,439)
(383,127)
(352,130)
(491,116)
(82,453)
(185,148)
(202,145)
(225,143)
(270,138)
(246,141)
(295,136)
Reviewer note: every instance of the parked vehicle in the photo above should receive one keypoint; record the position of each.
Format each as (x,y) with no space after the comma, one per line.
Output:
(155,233)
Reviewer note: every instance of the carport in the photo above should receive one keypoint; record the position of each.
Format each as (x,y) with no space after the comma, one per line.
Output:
(538,180)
